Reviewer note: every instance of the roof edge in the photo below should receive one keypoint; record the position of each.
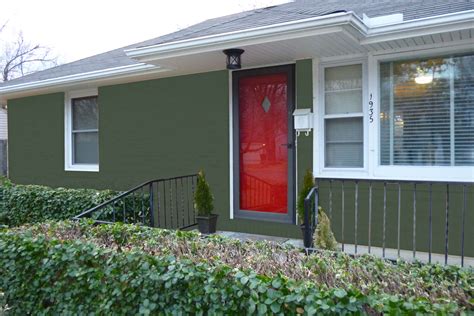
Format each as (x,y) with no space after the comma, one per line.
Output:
(424,26)
(244,37)
(108,73)
(429,25)
(298,28)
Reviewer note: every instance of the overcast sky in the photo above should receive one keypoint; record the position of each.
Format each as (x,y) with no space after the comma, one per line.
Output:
(75,29)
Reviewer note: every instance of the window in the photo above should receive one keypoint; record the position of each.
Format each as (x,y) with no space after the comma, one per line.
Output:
(82,132)
(427,112)
(343,117)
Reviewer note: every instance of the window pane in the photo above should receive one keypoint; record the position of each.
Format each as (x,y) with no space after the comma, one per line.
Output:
(86,148)
(343,89)
(344,142)
(427,112)
(84,113)
(344,130)
(343,102)
(344,155)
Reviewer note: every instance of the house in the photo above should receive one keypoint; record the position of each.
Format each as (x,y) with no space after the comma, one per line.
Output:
(384,92)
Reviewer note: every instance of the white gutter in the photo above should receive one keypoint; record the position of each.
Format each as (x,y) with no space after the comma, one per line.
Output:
(293,29)
(307,27)
(109,73)
(419,27)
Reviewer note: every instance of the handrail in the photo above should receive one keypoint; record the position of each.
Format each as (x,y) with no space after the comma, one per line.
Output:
(311,203)
(165,202)
(395,181)
(118,197)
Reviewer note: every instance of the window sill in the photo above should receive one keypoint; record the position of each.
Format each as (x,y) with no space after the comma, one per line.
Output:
(82,167)
(426,173)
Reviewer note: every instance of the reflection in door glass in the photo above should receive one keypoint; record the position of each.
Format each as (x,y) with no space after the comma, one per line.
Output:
(263,131)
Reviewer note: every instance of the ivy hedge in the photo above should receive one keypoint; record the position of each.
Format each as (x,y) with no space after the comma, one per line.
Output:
(78,268)
(21,204)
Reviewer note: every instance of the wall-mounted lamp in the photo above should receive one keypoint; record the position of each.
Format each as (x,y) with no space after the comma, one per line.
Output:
(233,58)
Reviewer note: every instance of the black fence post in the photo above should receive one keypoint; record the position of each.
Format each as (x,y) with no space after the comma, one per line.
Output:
(307,223)
(152,217)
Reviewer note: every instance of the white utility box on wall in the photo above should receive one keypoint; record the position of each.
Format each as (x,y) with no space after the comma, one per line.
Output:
(303,121)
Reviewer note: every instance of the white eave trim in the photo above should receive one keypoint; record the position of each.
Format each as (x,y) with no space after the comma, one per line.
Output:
(419,27)
(288,30)
(108,73)
(307,27)
(346,22)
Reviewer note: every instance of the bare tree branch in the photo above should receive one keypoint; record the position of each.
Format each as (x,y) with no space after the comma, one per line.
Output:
(20,57)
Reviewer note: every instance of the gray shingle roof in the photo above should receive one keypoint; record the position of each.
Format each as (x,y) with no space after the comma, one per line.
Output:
(300,9)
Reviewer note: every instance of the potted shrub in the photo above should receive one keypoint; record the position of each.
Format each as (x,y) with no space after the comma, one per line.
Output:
(204,204)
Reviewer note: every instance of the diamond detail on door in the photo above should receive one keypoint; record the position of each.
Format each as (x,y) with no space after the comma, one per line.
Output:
(266,104)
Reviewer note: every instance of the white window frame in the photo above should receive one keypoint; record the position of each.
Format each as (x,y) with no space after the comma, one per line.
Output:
(319,168)
(422,173)
(372,167)
(68,147)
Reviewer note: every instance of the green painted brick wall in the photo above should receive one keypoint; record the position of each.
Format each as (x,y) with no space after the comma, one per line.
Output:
(150,129)
(304,99)
(176,126)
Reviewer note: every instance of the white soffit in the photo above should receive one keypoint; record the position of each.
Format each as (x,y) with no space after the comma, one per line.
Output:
(325,36)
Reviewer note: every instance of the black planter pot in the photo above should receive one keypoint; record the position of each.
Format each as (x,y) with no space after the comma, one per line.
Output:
(207,224)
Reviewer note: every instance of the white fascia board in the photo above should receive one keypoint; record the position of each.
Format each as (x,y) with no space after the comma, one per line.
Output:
(306,27)
(288,30)
(97,75)
(419,27)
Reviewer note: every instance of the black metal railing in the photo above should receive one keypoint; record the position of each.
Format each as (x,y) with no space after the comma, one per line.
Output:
(416,219)
(163,203)
(311,203)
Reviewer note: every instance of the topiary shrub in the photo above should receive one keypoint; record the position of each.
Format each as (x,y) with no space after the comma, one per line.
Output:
(308,184)
(203,198)
(21,204)
(324,237)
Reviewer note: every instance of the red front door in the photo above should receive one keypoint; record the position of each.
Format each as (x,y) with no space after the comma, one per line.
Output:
(264,142)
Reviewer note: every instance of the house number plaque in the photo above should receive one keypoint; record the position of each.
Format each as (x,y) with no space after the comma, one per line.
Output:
(371,109)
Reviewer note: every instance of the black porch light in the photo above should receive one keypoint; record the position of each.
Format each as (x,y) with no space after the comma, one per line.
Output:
(233,58)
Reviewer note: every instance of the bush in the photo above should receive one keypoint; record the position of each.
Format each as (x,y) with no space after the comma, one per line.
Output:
(20,204)
(203,199)
(308,184)
(76,268)
(324,237)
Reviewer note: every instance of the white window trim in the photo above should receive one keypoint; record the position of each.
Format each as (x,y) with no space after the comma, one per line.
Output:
(68,165)
(423,173)
(372,168)
(319,168)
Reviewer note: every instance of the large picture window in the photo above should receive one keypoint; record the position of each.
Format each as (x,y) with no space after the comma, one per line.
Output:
(427,112)
(82,132)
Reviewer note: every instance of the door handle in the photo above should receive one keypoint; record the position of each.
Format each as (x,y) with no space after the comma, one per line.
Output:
(289,145)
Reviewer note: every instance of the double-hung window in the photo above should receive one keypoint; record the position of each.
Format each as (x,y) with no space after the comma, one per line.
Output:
(427,112)
(82,132)
(343,117)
